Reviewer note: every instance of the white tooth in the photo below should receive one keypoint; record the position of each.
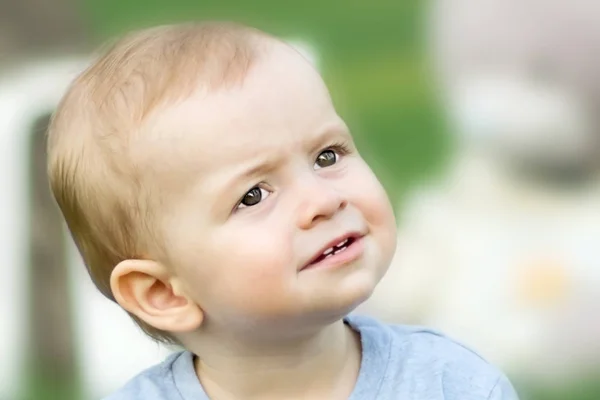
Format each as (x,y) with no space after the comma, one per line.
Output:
(342,243)
(329,250)
(340,250)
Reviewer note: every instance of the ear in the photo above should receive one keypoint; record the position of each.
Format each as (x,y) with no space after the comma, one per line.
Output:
(147,290)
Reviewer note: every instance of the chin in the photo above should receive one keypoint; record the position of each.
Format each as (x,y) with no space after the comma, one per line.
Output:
(332,315)
(357,294)
(334,299)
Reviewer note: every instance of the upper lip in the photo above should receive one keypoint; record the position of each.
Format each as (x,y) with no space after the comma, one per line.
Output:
(355,235)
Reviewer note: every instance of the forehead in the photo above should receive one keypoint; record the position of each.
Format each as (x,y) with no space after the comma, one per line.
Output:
(281,102)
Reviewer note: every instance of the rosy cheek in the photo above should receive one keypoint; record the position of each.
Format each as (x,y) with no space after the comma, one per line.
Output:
(257,252)
(370,196)
(252,276)
(383,212)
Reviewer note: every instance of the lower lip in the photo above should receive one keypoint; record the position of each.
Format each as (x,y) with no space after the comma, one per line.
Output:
(352,253)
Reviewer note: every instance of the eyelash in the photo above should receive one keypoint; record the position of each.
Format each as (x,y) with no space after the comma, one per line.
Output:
(340,148)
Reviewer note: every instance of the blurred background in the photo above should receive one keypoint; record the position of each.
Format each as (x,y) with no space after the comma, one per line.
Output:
(479,116)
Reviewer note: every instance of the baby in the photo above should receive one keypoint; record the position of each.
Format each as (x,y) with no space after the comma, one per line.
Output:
(216,195)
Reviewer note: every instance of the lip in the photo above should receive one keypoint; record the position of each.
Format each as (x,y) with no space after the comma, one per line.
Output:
(350,254)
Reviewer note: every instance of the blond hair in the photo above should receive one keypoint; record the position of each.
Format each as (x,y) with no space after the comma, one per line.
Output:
(98,189)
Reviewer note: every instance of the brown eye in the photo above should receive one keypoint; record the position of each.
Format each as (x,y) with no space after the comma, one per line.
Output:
(326,159)
(253,197)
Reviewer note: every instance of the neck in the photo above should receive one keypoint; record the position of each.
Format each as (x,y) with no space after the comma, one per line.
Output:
(323,365)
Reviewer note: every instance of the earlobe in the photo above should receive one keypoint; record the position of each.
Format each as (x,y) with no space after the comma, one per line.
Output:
(146,289)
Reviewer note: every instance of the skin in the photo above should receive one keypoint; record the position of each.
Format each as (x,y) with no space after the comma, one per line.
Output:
(231,284)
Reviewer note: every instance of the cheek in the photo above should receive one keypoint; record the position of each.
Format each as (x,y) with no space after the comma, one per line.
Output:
(366,192)
(368,195)
(249,265)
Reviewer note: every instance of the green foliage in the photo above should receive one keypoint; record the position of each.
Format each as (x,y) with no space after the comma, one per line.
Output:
(42,386)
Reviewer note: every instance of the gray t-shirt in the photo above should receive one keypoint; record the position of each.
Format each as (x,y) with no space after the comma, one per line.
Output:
(398,362)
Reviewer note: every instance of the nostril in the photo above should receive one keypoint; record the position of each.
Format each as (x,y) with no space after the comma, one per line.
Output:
(343,204)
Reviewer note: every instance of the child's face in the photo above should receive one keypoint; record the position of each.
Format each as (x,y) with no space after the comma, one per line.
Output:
(261,185)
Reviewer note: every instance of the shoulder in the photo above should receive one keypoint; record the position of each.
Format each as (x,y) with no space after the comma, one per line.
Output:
(154,383)
(462,372)
(427,359)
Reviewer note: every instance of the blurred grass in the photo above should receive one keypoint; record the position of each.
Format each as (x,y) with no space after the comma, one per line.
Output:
(585,388)
(41,387)
(373,60)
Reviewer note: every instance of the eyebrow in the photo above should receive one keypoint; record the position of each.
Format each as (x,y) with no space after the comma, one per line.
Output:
(328,134)
(262,168)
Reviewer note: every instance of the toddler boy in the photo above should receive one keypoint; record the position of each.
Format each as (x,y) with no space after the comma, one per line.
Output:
(216,195)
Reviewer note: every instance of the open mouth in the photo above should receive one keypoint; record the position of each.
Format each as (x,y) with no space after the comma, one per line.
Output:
(336,251)
(338,248)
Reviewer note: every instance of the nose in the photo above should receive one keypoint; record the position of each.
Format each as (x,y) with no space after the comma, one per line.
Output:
(319,201)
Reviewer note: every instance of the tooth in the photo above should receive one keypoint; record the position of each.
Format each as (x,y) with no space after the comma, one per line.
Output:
(329,250)
(342,243)
(340,250)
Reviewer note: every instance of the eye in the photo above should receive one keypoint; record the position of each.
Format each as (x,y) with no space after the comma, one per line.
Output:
(326,158)
(253,197)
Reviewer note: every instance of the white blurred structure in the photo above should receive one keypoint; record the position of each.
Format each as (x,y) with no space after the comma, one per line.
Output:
(502,252)
(111,347)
